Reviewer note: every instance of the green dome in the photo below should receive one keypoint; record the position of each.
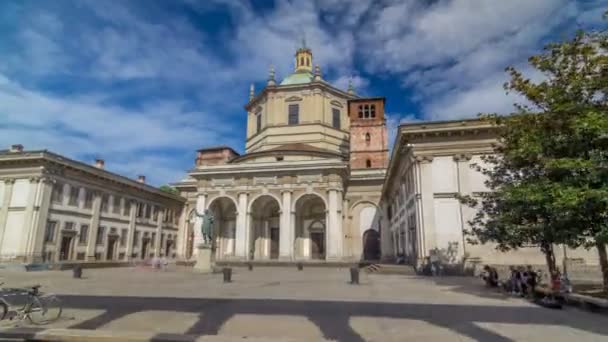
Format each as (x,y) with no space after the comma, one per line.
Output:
(298,78)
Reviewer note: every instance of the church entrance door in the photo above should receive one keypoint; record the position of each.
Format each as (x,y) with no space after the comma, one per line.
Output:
(317,245)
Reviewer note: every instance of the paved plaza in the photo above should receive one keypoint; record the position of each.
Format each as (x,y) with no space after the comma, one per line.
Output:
(313,304)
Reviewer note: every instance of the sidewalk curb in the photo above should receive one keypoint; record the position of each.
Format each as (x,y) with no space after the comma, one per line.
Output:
(77,335)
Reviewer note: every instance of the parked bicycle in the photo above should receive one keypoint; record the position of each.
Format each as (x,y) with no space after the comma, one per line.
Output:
(21,303)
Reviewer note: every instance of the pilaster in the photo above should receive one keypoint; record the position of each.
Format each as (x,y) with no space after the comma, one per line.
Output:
(242,230)
(334,227)
(93,226)
(425,181)
(131,231)
(159,230)
(8,192)
(43,203)
(286,231)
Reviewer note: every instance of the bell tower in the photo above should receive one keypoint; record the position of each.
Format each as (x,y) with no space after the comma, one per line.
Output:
(303,59)
(368,134)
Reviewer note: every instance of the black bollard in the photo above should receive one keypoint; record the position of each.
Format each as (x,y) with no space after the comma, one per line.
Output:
(300,266)
(227,274)
(354,275)
(250,266)
(77,272)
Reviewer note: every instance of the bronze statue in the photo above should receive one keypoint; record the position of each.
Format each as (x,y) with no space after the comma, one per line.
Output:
(206,226)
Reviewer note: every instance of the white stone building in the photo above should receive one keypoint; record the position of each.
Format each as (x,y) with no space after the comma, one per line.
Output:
(430,164)
(54,209)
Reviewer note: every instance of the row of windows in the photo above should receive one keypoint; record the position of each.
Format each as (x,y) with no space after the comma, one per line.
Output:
(293,117)
(83,234)
(148,211)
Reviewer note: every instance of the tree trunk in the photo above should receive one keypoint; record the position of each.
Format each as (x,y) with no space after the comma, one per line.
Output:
(547,249)
(601,250)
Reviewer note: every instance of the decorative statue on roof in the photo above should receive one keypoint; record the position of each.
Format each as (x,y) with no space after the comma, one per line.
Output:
(206,227)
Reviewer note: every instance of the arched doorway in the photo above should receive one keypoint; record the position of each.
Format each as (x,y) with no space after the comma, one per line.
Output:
(371,245)
(311,218)
(224,214)
(265,228)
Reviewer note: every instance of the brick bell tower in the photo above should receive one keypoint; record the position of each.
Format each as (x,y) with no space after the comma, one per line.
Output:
(368,134)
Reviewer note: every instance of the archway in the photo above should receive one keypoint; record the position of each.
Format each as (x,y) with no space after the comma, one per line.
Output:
(364,216)
(265,228)
(311,223)
(371,245)
(224,214)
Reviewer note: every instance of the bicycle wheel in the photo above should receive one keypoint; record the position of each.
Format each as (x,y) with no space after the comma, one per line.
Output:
(3,310)
(44,309)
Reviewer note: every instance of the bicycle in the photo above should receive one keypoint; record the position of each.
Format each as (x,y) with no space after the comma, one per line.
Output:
(38,308)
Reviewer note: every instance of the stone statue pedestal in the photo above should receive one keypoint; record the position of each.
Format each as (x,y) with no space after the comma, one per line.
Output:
(204,262)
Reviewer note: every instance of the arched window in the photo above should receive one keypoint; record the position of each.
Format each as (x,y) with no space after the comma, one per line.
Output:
(368,138)
(307,62)
(368,163)
(302,61)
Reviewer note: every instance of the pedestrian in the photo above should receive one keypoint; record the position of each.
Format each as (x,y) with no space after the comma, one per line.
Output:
(532,280)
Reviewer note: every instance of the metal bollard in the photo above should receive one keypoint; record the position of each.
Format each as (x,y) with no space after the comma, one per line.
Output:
(227,274)
(300,266)
(250,266)
(77,272)
(354,275)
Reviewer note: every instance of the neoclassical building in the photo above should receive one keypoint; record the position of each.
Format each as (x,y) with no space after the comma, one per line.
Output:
(431,164)
(55,209)
(309,182)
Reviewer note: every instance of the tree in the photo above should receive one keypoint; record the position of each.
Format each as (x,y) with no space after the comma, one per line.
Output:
(549,177)
(169,189)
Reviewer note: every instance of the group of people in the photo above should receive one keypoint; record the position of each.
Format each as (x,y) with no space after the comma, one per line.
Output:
(522,281)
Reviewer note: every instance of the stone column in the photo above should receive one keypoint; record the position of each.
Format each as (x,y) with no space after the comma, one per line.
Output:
(158,249)
(6,201)
(43,202)
(464,188)
(267,239)
(242,232)
(30,216)
(31,223)
(286,231)
(131,231)
(334,228)
(201,205)
(425,180)
(93,226)
(182,233)
(386,247)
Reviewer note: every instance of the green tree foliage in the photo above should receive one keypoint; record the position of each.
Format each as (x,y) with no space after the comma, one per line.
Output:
(549,177)
(169,189)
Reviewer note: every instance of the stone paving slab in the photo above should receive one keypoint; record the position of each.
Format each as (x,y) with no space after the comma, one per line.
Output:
(313,304)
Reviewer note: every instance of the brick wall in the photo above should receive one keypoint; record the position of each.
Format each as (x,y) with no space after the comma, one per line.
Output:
(214,156)
(364,152)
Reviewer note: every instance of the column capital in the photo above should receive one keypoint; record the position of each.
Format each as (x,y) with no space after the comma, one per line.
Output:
(424,159)
(34,179)
(462,157)
(239,193)
(286,190)
(48,180)
(8,181)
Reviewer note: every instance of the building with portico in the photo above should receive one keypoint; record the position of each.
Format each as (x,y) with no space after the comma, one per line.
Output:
(307,186)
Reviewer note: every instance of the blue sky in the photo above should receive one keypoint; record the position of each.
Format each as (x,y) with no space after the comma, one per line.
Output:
(143,84)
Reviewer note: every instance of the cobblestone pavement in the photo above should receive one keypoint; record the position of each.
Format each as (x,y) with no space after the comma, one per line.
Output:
(312,304)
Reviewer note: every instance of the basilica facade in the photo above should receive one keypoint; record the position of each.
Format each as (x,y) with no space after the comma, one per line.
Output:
(309,182)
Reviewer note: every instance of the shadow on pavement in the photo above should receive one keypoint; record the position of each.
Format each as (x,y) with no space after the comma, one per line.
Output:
(331,317)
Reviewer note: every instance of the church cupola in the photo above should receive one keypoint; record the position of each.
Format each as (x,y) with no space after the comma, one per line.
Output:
(304,59)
